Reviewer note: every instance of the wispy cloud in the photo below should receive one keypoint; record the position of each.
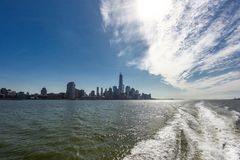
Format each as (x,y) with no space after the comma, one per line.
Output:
(192,45)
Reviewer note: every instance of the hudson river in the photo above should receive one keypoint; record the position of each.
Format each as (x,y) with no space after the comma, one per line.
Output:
(129,130)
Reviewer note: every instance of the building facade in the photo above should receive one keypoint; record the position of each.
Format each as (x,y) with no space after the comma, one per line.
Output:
(44,91)
(70,93)
(120,85)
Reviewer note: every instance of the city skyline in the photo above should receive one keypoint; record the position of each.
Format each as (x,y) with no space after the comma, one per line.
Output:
(74,93)
(165,48)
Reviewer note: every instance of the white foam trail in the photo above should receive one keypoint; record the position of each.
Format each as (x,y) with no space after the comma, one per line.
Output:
(163,146)
(167,144)
(219,140)
(203,134)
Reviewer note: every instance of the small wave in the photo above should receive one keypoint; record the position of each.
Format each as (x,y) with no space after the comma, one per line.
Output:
(200,134)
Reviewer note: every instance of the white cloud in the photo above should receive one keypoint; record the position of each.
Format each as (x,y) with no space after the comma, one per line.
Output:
(190,44)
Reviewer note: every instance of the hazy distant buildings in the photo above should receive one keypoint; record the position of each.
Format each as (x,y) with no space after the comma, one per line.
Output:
(82,92)
(20,95)
(13,94)
(127,90)
(108,94)
(70,93)
(55,96)
(146,96)
(4,91)
(115,90)
(77,94)
(118,92)
(92,94)
(44,91)
(112,93)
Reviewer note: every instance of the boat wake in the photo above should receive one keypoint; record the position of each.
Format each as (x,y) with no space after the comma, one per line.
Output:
(195,132)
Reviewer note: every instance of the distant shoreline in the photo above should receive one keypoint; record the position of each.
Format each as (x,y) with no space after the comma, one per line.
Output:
(80,99)
(112,99)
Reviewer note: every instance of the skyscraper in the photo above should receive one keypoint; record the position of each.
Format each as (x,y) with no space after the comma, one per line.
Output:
(120,86)
(127,90)
(97,91)
(70,93)
(101,91)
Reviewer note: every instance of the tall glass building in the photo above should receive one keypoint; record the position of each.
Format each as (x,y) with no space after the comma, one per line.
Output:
(120,86)
(70,93)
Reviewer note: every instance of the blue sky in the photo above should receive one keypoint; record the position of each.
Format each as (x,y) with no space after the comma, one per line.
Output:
(186,53)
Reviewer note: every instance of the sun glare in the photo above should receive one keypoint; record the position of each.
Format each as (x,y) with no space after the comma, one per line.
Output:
(153,9)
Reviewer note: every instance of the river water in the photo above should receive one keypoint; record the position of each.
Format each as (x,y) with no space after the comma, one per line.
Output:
(128,130)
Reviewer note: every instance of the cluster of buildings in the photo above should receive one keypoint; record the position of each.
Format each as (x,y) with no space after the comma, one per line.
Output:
(119,92)
(115,92)
(9,94)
